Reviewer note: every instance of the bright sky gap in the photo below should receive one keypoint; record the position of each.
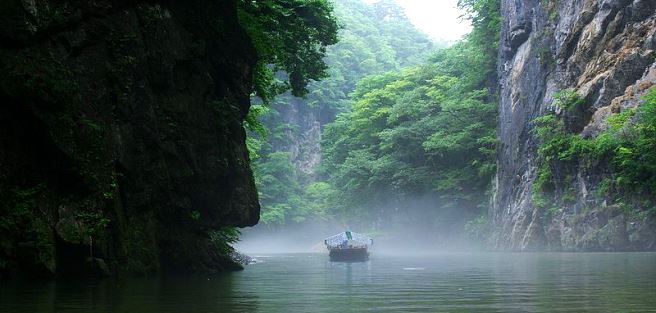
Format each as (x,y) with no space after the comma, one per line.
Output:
(439,19)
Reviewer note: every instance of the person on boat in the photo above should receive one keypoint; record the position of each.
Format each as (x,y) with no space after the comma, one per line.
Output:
(344,244)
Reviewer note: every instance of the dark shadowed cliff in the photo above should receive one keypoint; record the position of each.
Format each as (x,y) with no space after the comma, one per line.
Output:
(584,63)
(121,134)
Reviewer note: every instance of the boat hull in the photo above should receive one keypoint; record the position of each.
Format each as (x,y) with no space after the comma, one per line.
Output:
(349,255)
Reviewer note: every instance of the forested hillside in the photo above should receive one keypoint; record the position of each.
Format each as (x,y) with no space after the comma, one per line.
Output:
(417,149)
(372,39)
(533,132)
(407,132)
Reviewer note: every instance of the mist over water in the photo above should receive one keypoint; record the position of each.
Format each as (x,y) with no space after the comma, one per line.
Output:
(411,232)
(117,166)
(302,238)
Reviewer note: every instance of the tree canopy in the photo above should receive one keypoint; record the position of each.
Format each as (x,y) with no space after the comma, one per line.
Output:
(289,36)
(404,125)
(368,44)
(425,130)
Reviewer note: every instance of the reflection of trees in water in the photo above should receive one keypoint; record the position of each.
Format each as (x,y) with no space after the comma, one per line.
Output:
(166,295)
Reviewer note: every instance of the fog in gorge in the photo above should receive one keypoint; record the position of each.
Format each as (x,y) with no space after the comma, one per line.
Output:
(320,156)
(413,227)
(397,142)
(309,238)
(431,148)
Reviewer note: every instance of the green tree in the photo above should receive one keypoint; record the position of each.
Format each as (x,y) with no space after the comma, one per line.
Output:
(426,131)
(410,133)
(626,149)
(289,36)
(368,45)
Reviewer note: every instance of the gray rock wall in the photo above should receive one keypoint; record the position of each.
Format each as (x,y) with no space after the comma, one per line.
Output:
(604,50)
(303,139)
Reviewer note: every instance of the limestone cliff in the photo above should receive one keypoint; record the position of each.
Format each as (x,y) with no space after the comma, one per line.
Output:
(301,136)
(602,50)
(121,134)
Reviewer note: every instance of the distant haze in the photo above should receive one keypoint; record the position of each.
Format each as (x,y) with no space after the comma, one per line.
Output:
(439,19)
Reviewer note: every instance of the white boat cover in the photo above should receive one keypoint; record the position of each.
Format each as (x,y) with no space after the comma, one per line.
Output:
(348,238)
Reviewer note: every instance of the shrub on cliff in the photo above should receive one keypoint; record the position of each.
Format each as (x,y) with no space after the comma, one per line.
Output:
(628,147)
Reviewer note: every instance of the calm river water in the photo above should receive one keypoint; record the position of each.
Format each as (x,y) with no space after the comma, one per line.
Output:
(504,282)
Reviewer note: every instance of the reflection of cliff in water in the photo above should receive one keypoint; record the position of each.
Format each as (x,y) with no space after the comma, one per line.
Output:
(171,295)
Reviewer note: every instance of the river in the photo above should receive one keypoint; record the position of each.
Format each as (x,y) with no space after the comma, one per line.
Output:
(453,282)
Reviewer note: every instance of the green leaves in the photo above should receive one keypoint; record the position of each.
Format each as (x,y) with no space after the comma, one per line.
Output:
(485,16)
(289,36)
(279,189)
(252,123)
(426,129)
(627,148)
(368,45)
(568,99)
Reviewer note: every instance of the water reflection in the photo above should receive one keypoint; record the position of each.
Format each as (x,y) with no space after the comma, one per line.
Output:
(199,294)
(310,283)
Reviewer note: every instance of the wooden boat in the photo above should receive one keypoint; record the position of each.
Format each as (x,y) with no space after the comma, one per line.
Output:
(348,247)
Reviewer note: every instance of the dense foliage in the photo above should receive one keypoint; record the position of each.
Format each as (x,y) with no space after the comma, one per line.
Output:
(413,143)
(289,36)
(485,16)
(627,149)
(424,131)
(373,39)
(419,144)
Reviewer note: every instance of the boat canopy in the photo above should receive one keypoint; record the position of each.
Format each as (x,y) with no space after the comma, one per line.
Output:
(353,239)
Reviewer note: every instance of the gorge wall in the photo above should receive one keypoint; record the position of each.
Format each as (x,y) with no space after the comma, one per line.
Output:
(302,136)
(603,51)
(121,135)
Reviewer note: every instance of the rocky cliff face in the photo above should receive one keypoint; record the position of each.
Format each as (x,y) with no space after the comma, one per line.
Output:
(121,134)
(604,51)
(303,137)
